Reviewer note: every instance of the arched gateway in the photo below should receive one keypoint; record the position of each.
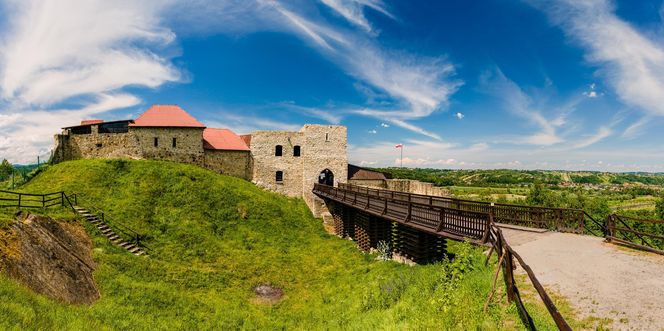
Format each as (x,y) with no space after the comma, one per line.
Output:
(326,177)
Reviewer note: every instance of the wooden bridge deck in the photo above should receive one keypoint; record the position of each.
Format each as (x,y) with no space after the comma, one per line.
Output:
(441,221)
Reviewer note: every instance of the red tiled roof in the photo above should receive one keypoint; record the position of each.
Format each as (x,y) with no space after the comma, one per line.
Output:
(223,139)
(247,139)
(167,116)
(88,122)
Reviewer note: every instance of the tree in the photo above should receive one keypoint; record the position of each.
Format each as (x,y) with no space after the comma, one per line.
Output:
(6,169)
(659,207)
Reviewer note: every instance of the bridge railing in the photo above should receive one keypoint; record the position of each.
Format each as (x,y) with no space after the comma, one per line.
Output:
(423,213)
(643,234)
(559,219)
(455,223)
(506,257)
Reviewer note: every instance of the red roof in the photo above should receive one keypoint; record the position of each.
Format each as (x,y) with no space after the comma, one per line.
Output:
(88,122)
(223,139)
(167,116)
(247,139)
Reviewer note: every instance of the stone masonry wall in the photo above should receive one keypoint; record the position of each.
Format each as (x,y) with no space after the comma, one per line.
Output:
(266,164)
(324,148)
(416,187)
(86,146)
(231,163)
(188,149)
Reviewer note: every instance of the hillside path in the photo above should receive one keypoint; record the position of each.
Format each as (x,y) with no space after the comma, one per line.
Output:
(599,279)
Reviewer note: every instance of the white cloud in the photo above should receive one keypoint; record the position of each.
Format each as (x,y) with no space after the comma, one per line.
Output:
(516,101)
(384,125)
(244,124)
(373,131)
(459,116)
(57,50)
(418,85)
(602,133)
(27,134)
(353,10)
(631,63)
(75,52)
(637,128)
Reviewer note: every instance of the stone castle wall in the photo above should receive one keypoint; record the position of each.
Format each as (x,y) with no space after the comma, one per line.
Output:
(321,147)
(416,187)
(403,185)
(266,163)
(94,145)
(138,143)
(325,149)
(231,163)
(188,147)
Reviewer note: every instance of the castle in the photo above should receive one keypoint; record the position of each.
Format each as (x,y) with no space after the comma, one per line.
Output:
(282,161)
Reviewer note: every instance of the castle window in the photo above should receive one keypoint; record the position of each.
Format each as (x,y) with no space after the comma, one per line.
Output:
(279,176)
(156,142)
(327,137)
(278,150)
(175,143)
(98,145)
(296,151)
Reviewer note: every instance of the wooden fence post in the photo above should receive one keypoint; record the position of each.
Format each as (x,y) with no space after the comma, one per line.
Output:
(509,274)
(609,227)
(19,200)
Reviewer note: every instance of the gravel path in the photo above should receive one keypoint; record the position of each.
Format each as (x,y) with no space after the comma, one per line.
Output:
(599,279)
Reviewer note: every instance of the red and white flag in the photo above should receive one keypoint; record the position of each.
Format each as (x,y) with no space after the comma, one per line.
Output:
(399,146)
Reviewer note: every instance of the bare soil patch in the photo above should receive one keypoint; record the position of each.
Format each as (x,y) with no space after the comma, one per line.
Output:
(51,258)
(268,294)
(600,280)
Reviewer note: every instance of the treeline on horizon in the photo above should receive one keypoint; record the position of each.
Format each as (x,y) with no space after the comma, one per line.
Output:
(508,177)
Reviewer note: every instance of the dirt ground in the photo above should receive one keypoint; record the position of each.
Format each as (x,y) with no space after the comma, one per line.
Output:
(599,279)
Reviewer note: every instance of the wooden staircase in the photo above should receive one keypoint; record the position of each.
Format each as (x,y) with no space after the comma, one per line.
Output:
(109,233)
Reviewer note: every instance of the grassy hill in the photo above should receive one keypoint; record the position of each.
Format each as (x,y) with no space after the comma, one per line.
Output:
(214,238)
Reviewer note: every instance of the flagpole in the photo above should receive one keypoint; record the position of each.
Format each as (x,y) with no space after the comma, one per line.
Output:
(401,156)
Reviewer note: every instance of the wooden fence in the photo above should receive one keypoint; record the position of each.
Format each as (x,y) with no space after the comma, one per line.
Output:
(9,199)
(403,208)
(642,234)
(558,219)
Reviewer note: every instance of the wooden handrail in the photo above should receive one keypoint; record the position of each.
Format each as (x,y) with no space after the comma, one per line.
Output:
(491,234)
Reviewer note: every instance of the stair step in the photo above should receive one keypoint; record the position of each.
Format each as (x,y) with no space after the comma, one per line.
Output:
(113,237)
(135,249)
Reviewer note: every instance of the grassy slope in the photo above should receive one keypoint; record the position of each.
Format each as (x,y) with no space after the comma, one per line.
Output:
(214,237)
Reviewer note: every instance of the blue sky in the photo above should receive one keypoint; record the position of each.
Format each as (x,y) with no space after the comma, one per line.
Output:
(527,84)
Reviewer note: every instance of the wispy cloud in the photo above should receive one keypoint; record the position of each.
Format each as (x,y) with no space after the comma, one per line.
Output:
(602,133)
(353,10)
(516,101)
(417,85)
(244,124)
(76,53)
(631,62)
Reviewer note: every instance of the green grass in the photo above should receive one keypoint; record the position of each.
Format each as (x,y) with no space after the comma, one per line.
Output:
(215,237)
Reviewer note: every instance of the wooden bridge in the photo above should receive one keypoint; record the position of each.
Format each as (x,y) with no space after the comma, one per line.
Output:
(417,226)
